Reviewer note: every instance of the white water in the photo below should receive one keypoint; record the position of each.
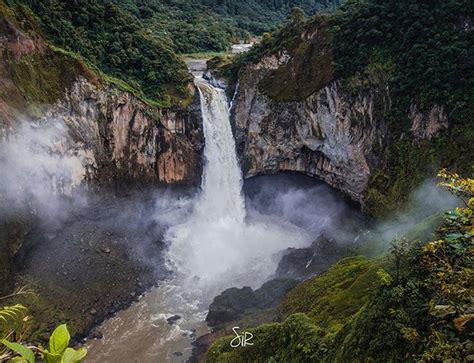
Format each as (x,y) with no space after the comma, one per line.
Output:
(221,196)
(216,247)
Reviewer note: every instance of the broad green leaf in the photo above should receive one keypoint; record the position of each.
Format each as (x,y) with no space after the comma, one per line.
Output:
(18,360)
(25,352)
(51,358)
(73,356)
(59,340)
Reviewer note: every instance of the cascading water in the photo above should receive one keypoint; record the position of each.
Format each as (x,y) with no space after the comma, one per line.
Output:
(221,196)
(217,248)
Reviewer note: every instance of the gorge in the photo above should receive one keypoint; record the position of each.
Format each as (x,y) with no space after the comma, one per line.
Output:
(298,188)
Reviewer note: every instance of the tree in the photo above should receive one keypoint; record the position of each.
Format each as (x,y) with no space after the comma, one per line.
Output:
(297,15)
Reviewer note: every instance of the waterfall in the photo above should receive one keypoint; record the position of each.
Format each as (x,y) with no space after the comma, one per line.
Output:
(222,179)
(217,247)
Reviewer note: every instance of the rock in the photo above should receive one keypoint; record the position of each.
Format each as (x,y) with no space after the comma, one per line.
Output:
(106,250)
(303,263)
(178,354)
(93,311)
(272,292)
(173,319)
(330,133)
(120,137)
(96,334)
(231,304)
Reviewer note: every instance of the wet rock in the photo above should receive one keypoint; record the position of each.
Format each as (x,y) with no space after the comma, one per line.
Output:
(303,263)
(173,319)
(233,303)
(272,292)
(230,305)
(96,334)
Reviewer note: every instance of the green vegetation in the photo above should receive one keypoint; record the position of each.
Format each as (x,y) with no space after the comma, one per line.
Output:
(210,25)
(58,351)
(39,74)
(412,305)
(14,325)
(137,42)
(426,53)
(14,328)
(117,43)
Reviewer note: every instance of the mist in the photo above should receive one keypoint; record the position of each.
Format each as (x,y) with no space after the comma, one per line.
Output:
(41,169)
(424,202)
(44,171)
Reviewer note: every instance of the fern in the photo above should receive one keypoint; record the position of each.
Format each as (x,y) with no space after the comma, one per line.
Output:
(11,314)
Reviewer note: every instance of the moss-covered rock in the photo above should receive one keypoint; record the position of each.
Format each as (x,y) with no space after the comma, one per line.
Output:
(34,74)
(233,303)
(308,68)
(333,297)
(313,313)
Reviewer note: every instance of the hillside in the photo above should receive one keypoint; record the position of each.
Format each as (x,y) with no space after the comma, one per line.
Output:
(137,41)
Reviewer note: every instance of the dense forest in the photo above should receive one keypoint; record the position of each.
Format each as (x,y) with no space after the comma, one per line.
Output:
(137,41)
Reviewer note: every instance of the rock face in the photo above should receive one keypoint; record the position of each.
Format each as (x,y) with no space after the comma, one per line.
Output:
(129,141)
(303,263)
(119,137)
(335,133)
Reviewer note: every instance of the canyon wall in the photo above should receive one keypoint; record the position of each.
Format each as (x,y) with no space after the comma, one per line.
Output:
(323,127)
(126,140)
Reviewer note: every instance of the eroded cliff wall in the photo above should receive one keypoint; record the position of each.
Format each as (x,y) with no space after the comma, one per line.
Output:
(289,118)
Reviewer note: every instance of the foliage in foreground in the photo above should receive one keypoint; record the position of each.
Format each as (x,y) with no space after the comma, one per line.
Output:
(14,325)
(57,352)
(413,305)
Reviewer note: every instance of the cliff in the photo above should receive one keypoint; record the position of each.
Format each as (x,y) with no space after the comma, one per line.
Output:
(123,136)
(299,107)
